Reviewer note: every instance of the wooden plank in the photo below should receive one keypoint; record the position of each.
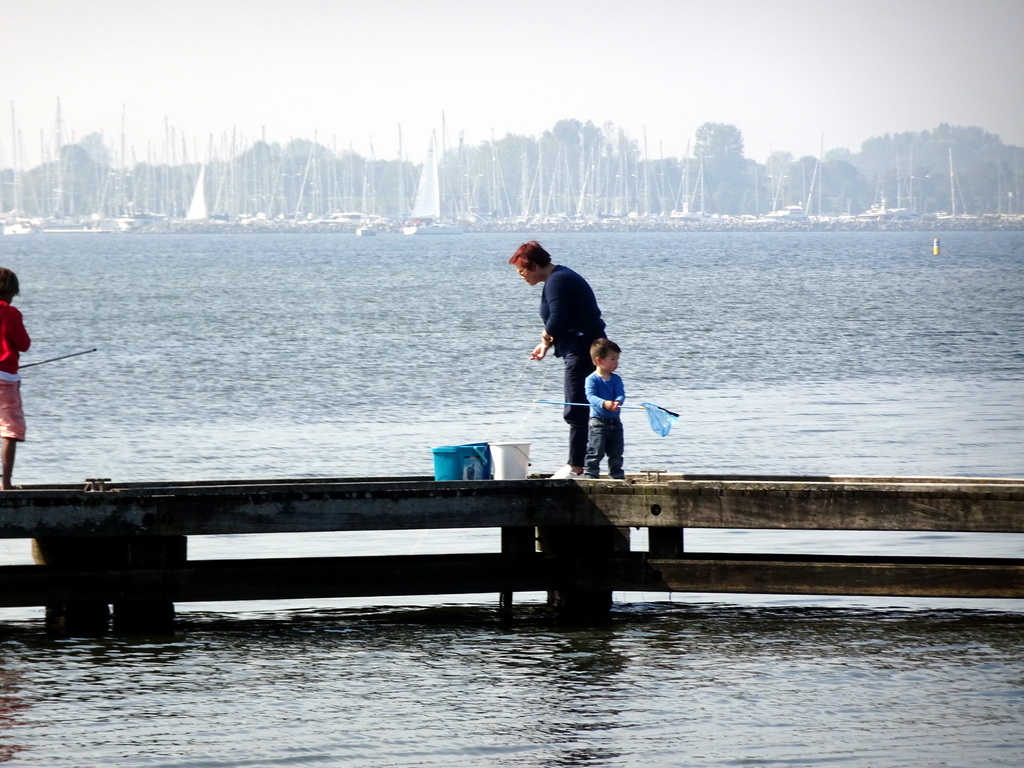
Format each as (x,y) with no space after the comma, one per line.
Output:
(273,509)
(840,508)
(808,575)
(307,507)
(274,579)
(271,579)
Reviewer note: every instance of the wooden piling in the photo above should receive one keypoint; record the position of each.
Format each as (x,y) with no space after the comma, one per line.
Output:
(573,547)
(69,615)
(516,542)
(72,616)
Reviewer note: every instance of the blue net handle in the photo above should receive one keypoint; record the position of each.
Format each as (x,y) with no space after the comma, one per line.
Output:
(660,419)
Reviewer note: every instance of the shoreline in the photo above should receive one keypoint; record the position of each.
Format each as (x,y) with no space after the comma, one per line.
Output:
(990,223)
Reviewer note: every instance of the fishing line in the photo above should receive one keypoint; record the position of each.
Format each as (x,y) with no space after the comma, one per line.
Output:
(529,412)
(508,397)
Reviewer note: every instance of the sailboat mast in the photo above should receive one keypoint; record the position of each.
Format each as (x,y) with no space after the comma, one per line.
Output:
(821,169)
(700,177)
(436,173)
(122,206)
(647,190)
(401,174)
(683,195)
(58,188)
(441,179)
(952,186)
(815,182)
(16,164)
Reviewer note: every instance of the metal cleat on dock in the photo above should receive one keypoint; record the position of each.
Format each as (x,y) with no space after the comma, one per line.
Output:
(653,475)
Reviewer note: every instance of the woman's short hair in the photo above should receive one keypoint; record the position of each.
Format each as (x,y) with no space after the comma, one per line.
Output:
(530,256)
(8,283)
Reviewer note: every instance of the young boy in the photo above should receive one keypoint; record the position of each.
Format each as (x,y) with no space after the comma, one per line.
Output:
(13,341)
(605,393)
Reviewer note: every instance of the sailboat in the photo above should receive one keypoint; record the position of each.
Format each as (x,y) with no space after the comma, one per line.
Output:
(426,212)
(19,227)
(686,214)
(197,210)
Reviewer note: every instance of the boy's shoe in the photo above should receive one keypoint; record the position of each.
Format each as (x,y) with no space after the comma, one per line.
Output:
(565,472)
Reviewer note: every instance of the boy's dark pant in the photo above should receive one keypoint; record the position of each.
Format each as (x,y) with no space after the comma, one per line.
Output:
(606,439)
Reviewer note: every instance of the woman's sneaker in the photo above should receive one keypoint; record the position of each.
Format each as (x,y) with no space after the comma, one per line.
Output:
(565,473)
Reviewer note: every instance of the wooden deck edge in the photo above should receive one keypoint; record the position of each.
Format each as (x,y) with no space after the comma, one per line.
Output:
(273,579)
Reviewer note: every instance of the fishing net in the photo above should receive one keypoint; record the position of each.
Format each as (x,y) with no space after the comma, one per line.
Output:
(661,421)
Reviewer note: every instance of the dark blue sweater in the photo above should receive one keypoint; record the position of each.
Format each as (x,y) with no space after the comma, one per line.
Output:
(570,312)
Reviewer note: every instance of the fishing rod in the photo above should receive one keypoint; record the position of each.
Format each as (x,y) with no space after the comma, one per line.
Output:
(62,357)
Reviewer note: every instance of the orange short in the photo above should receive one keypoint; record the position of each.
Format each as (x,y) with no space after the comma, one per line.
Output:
(12,415)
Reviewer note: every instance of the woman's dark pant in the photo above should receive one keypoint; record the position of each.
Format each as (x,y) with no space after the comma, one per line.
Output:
(577,368)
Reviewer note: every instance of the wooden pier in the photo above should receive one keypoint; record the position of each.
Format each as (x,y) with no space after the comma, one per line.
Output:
(103,544)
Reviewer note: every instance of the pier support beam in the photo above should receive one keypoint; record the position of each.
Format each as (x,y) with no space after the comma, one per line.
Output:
(664,543)
(74,617)
(147,615)
(516,542)
(92,618)
(576,602)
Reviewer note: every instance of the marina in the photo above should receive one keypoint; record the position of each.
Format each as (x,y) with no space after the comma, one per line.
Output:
(877,220)
(569,179)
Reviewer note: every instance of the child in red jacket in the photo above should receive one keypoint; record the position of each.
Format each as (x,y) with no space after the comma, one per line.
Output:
(13,341)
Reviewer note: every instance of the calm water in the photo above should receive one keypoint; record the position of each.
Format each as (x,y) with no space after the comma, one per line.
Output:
(298,356)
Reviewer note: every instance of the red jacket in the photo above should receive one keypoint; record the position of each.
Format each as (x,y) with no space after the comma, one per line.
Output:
(13,337)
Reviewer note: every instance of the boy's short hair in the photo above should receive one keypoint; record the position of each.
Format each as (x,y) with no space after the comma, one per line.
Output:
(8,283)
(602,348)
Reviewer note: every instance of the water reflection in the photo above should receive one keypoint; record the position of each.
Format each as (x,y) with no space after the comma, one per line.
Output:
(444,686)
(12,709)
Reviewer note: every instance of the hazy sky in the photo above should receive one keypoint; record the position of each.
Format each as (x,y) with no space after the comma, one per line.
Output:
(788,73)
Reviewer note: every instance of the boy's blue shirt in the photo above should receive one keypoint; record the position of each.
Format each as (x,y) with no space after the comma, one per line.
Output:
(598,390)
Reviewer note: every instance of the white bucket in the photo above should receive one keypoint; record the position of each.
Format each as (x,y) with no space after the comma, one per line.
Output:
(511,460)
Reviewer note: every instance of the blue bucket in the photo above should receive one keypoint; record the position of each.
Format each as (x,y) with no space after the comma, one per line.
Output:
(462,462)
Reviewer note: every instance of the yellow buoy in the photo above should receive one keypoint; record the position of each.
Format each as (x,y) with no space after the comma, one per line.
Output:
(935,247)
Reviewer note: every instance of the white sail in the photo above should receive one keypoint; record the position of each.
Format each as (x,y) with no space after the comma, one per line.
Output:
(428,193)
(426,211)
(197,210)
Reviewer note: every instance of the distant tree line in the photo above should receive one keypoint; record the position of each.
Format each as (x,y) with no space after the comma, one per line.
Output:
(577,169)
